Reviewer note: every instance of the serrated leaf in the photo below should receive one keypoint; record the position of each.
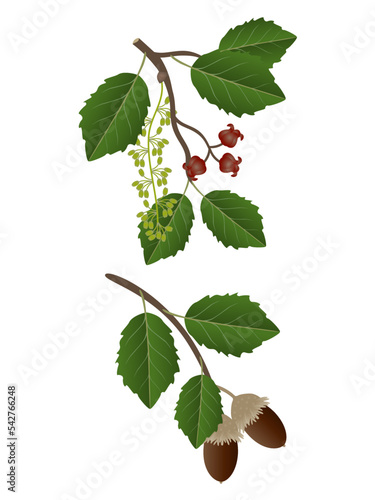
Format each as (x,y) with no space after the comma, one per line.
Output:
(235,81)
(199,410)
(114,115)
(231,324)
(147,359)
(233,220)
(259,38)
(181,222)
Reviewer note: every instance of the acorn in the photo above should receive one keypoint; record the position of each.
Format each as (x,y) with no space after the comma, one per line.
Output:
(252,414)
(220,450)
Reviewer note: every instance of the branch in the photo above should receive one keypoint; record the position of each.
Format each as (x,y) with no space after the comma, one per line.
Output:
(163,75)
(139,291)
(201,136)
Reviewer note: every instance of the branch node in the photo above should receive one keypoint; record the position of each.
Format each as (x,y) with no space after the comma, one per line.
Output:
(162,75)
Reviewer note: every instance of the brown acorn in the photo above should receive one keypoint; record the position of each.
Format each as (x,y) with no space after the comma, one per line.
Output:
(220,450)
(253,415)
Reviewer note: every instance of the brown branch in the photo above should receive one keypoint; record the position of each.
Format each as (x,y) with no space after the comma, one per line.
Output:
(137,290)
(163,76)
(178,53)
(198,132)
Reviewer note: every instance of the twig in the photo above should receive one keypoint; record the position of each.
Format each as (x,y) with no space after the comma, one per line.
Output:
(139,291)
(163,76)
(198,132)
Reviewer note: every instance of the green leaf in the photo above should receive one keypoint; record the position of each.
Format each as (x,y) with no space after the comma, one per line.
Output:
(199,410)
(233,220)
(231,324)
(259,38)
(235,81)
(114,115)
(181,222)
(147,359)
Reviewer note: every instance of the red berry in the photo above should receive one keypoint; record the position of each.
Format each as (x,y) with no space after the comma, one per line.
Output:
(230,136)
(228,163)
(196,166)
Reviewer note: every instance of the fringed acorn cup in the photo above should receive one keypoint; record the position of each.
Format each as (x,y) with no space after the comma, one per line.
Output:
(252,414)
(220,450)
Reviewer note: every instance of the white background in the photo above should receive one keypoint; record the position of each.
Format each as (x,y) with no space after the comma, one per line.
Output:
(313,181)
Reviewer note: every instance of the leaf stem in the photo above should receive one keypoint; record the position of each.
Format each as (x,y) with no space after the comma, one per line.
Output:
(142,63)
(195,187)
(180,62)
(151,300)
(226,391)
(177,53)
(149,154)
(143,301)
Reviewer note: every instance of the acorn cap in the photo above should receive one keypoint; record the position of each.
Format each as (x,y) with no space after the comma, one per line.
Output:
(246,409)
(226,432)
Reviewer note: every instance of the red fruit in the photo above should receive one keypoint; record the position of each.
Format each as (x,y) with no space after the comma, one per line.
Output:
(230,136)
(196,166)
(228,163)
